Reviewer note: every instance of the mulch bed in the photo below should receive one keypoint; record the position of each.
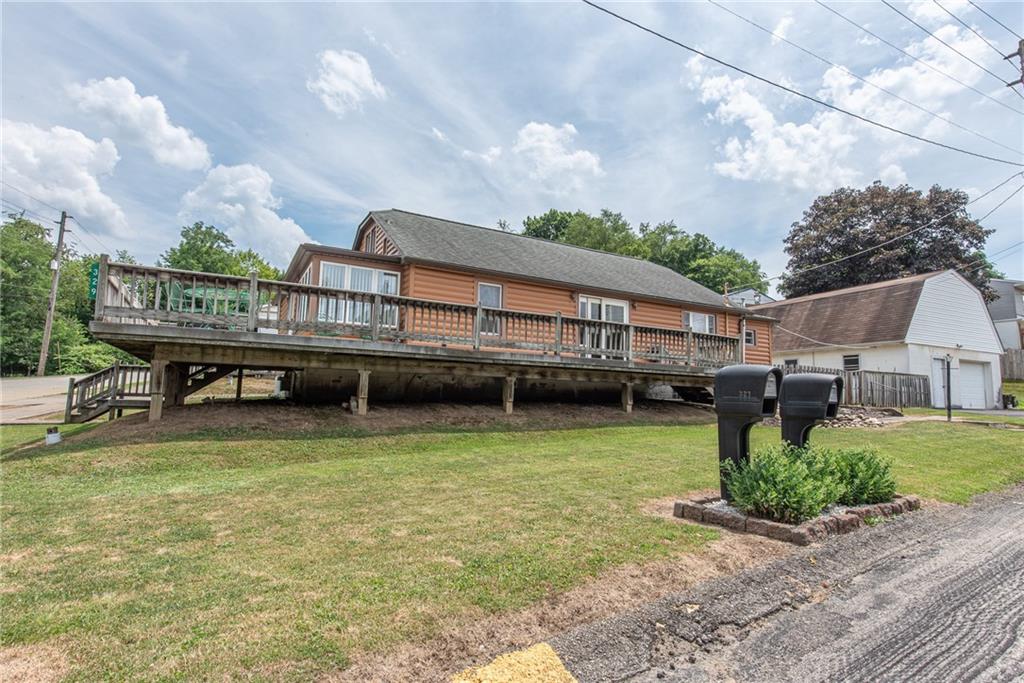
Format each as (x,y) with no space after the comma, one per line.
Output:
(842,521)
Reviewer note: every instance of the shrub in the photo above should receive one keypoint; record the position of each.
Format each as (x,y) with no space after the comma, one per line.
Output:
(865,476)
(781,483)
(789,484)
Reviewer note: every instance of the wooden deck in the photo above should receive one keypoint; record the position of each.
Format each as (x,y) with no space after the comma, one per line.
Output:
(178,319)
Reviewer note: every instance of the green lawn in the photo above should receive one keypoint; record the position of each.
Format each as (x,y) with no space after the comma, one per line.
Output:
(271,556)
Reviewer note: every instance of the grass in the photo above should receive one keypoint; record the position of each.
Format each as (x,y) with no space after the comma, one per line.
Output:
(267,556)
(1015,387)
(14,437)
(968,415)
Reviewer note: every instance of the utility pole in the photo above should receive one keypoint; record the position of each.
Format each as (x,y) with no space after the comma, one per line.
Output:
(55,267)
(1020,55)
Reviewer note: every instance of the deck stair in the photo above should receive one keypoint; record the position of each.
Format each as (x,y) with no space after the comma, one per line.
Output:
(111,390)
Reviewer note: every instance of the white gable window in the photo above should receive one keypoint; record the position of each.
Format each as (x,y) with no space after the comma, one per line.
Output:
(851,363)
(750,337)
(700,322)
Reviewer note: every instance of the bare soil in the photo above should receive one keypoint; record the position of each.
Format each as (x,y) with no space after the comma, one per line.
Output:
(477,640)
(273,417)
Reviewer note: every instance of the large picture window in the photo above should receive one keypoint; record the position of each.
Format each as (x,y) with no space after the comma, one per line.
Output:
(700,322)
(359,279)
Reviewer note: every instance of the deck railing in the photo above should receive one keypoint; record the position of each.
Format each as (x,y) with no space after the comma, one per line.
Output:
(130,293)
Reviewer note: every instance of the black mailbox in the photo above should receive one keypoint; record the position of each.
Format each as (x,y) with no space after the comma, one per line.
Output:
(806,400)
(744,395)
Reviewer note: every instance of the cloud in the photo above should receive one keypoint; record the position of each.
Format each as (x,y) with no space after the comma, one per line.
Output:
(143,120)
(926,10)
(546,149)
(489,156)
(344,81)
(238,199)
(439,135)
(781,29)
(62,167)
(892,174)
(382,44)
(808,156)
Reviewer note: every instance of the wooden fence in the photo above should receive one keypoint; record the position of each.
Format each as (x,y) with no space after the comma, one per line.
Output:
(1013,364)
(145,295)
(876,389)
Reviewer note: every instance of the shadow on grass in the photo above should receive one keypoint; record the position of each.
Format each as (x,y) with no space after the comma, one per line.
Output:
(296,422)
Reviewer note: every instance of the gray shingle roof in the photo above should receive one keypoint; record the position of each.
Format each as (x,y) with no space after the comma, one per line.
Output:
(442,241)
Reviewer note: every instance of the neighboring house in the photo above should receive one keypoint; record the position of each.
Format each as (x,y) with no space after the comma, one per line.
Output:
(432,258)
(748,296)
(908,325)
(1008,312)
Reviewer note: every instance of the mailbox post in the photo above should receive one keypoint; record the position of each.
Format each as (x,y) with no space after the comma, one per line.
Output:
(744,395)
(806,400)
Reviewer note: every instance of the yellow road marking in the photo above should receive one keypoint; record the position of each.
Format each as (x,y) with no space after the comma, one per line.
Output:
(537,663)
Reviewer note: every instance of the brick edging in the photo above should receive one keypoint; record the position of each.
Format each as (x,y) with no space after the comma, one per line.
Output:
(817,529)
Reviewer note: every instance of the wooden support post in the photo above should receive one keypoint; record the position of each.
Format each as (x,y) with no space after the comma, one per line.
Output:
(627,397)
(158,372)
(362,397)
(558,333)
(70,401)
(508,394)
(101,288)
(238,386)
(477,324)
(254,300)
(629,347)
(375,313)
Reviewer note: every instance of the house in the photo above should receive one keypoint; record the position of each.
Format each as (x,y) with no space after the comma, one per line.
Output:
(1007,312)
(910,325)
(748,296)
(423,307)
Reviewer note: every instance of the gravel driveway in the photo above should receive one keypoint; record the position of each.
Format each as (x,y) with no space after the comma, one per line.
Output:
(936,595)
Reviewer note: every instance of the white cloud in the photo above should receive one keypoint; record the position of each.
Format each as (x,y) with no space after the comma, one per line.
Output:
(807,156)
(781,29)
(892,174)
(439,135)
(926,10)
(547,151)
(382,44)
(143,120)
(238,199)
(344,81)
(489,156)
(62,167)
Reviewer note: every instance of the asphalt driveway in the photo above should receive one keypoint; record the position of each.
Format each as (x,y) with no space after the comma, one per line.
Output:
(26,399)
(936,595)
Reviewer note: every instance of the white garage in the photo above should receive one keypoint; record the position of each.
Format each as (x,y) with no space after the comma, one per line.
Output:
(972,385)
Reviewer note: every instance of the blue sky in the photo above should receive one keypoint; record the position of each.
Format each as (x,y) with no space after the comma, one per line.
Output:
(285,123)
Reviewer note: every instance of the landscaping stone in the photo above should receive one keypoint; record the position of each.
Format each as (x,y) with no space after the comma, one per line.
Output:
(835,520)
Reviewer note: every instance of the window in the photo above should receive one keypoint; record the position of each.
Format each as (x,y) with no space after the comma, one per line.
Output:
(359,279)
(851,363)
(489,296)
(790,362)
(750,337)
(700,322)
(303,299)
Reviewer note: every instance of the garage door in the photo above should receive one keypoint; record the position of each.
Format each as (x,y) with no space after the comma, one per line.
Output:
(972,385)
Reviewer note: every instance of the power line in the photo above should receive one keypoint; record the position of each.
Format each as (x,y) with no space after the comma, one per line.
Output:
(862,79)
(917,59)
(970,28)
(897,237)
(103,245)
(932,35)
(797,92)
(979,8)
(36,199)
(989,260)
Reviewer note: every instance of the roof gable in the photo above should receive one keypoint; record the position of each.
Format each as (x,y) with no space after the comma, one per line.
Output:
(875,313)
(435,240)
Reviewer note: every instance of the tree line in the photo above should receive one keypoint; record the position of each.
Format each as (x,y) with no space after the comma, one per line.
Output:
(914,232)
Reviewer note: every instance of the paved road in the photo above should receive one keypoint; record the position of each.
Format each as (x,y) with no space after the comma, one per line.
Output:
(24,398)
(937,595)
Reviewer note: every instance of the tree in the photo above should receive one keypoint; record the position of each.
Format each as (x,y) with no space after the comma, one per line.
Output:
(25,255)
(549,226)
(202,248)
(849,220)
(695,256)
(248,260)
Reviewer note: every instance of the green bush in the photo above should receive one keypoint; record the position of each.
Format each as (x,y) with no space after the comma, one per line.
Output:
(780,484)
(866,477)
(789,484)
